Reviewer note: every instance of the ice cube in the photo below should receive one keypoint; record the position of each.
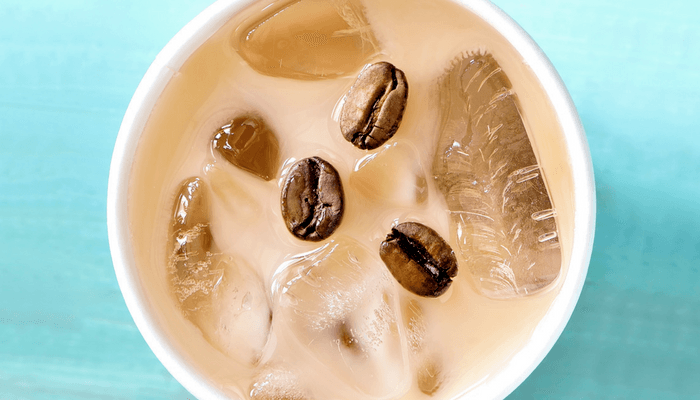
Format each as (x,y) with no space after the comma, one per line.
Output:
(278,383)
(339,302)
(236,317)
(227,302)
(424,358)
(225,299)
(193,280)
(485,167)
(414,323)
(190,269)
(248,143)
(308,39)
(392,176)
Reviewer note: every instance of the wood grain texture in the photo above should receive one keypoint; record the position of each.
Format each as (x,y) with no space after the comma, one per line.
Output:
(69,68)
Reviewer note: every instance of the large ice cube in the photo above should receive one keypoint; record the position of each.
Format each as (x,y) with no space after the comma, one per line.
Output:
(308,39)
(225,299)
(191,274)
(391,176)
(485,167)
(339,302)
(237,317)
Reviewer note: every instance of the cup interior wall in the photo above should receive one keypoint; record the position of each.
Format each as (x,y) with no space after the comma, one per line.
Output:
(158,318)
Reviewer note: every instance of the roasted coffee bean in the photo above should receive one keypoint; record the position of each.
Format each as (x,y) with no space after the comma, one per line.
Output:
(420,260)
(312,199)
(249,144)
(374,106)
(190,227)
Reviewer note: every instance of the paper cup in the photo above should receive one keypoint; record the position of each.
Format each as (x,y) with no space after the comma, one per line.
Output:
(154,313)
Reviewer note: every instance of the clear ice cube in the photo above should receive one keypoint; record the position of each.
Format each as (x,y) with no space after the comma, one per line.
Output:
(392,176)
(340,303)
(486,169)
(228,303)
(224,299)
(249,144)
(236,317)
(415,326)
(308,39)
(191,274)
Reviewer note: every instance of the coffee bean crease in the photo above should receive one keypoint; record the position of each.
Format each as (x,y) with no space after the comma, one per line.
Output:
(420,260)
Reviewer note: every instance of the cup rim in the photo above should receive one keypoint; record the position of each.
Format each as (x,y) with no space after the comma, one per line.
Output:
(191,37)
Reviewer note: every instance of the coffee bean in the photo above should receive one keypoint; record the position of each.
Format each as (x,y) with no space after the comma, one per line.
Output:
(312,199)
(249,144)
(420,260)
(374,106)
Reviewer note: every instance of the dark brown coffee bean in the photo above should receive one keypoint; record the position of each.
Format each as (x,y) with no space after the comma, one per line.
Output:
(191,234)
(420,260)
(374,106)
(248,143)
(312,199)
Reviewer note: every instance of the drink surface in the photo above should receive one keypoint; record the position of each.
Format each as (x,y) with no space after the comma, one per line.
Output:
(389,343)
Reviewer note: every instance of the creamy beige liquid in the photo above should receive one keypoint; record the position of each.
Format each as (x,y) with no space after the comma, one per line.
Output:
(474,335)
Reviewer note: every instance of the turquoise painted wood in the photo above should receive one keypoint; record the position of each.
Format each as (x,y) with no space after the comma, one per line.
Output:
(67,72)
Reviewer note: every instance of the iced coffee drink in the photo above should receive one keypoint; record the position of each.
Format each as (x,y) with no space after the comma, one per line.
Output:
(353,205)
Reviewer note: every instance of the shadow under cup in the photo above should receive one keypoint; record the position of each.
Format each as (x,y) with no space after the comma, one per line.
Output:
(133,214)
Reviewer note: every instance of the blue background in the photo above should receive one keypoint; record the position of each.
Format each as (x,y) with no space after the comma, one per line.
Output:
(69,68)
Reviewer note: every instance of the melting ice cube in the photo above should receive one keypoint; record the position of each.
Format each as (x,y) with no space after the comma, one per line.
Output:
(228,303)
(391,176)
(485,167)
(191,274)
(236,317)
(425,360)
(308,39)
(339,302)
(278,383)
(224,299)
(249,144)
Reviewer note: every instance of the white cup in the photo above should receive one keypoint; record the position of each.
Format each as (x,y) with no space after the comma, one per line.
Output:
(154,313)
